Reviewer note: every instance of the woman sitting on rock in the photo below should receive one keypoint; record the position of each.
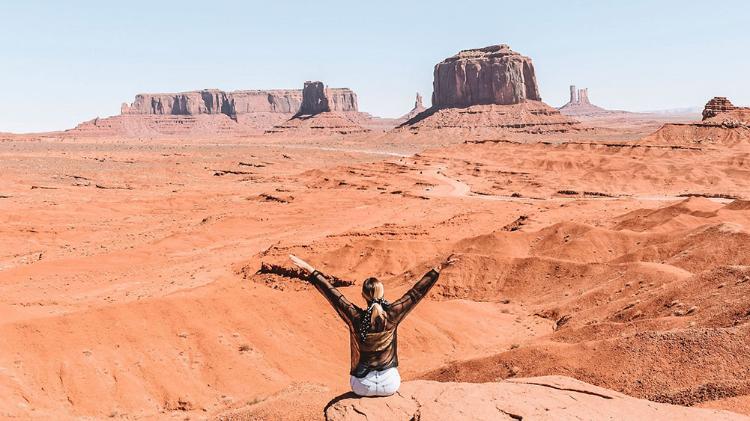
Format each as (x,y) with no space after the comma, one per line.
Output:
(372,331)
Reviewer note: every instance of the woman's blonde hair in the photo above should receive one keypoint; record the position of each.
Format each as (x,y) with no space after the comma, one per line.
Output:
(373,291)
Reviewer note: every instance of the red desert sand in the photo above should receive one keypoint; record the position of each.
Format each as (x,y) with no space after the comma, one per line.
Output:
(603,273)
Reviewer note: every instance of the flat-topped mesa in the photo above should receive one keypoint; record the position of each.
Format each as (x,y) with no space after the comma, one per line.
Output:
(484,76)
(484,91)
(214,101)
(317,98)
(717,105)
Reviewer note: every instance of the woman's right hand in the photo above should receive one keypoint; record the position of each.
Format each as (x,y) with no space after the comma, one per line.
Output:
(302,264)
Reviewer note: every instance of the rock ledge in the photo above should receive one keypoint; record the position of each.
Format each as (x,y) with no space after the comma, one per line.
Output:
(546,398)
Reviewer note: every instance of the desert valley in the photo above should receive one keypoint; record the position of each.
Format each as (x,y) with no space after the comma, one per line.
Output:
(603,256)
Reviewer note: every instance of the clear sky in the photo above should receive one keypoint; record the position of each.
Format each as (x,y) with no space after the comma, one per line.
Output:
(63,62)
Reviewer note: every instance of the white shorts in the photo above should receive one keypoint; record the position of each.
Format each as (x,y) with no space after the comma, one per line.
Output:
(377,383)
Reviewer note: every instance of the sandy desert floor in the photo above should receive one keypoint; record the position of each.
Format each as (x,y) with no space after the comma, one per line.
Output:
(130,284)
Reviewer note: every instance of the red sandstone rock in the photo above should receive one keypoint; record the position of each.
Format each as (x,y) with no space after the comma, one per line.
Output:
(538,398)
(214,112)
(324,111)
(213,101)
(317,98)
(533,117)
(489,75)
(716,106)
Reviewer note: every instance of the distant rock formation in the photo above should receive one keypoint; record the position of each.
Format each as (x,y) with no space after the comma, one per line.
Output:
(488,89)
(716,106)
(317,98)
(579,105)
(214,101)
(418,108)
(483,76)
(537,398)
(324,111)
(723,124)
(215,112)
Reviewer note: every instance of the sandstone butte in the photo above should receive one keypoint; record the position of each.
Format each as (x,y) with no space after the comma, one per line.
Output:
(324,112)
(537,398)
(489,75)
(488,89)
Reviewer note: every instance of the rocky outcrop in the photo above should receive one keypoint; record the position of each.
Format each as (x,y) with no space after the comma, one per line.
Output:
(723,124)
(716,106)
(579,105)
(213,101)
(530,117)
(234,103)
(314,99)
(324,111)
(489,75)
(317,98)
(486,91)
(215,112)
(539,398)
(418,108)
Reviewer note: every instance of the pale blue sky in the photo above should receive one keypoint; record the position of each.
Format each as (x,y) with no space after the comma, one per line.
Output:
(62,62)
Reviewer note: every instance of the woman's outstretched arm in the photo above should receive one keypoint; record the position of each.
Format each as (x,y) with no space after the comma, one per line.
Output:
(345,309)
(401,307)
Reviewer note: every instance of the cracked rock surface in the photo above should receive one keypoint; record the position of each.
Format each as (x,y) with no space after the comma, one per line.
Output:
(538,398)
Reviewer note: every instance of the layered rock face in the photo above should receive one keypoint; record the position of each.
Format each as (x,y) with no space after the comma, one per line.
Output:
(212,111)
(317,98)
(324,111)
(487,90)
(490,75)
(538,398)
(717,105)
(213,101)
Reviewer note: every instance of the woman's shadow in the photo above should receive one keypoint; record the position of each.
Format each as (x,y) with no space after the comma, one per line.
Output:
(341,397)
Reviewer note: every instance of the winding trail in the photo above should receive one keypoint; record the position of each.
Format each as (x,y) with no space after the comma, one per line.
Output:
(450,187)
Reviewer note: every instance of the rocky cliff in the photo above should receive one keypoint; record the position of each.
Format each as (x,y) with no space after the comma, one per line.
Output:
(324,111)
(486,91)
(539,398)
(317,98)
(215,112)
(234,103)
(718,105)
(489,75)
(213,101)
